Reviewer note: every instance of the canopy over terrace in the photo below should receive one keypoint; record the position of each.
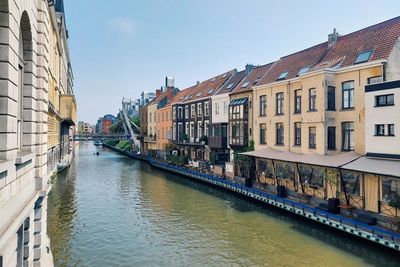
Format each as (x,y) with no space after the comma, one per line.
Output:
(336,160)
(375,166)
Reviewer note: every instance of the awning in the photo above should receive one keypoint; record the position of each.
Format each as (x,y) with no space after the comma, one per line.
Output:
(240,101)
(375,166)
(336,160)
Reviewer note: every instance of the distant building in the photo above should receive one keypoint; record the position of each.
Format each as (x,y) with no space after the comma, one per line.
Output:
(84,128)
(146,97)
(104,123)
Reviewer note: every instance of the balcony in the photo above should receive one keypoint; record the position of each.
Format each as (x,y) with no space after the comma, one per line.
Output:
(218,136)
(68,108)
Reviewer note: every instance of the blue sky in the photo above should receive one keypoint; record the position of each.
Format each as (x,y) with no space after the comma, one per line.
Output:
(122,47)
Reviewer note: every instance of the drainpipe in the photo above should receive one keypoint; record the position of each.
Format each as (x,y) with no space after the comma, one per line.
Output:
(383,71)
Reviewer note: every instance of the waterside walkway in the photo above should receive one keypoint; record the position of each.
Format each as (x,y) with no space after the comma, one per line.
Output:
(374,234)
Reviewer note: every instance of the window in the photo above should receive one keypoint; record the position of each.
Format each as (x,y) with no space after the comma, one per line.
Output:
(205,127)
(263,130)
(187,129)
(312,98)
(216,108)
(384,100)
(331,138)
(173,114)
(226,106)
(206,108)
(303,70)
(180,113)
(279,134)
(210,91)
(173,131)
(263,105)
(331,103)
(363,57)
(282,76)
(348,95)
(391,129)
(297,133)
(180,131)
(279,104)
(390,189)
(186,112)
(297,101)
(351,182)
(347,136)
(192,129)
(193,111)
(376,79)
(199,130)
(245,84)
(199,110)
(380,129)
(312,133)
(229,86)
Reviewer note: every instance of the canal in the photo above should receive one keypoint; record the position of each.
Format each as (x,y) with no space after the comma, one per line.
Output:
(110,210)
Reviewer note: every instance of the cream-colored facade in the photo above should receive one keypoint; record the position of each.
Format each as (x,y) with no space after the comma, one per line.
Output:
(151,126)
(32,47)
(320,117)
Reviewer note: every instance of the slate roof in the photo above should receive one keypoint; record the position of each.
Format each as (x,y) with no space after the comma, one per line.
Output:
(231,84)
(253,78)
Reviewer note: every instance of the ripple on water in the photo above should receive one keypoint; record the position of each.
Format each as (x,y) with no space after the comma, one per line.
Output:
(109,210)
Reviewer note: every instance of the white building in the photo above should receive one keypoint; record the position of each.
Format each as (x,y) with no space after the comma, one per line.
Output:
(382,120)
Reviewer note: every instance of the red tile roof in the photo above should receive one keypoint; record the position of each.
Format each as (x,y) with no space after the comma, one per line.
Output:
(254,77)
(379,38)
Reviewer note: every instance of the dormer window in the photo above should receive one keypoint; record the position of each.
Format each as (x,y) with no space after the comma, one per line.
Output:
(303,70)
(230,86)
(226,74)
(210,91)
(245,84)
(199,94)
(257,80)
(363,57)
(213,79)
(283,75)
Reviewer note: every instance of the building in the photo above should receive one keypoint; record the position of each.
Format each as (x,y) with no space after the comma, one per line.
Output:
(191,115)
(84,128)
(106,122)
(36,74)
(146,97)
(218,127)
(316,126)
(62,103)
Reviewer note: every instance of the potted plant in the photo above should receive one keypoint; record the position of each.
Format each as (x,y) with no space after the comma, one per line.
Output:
(333,183)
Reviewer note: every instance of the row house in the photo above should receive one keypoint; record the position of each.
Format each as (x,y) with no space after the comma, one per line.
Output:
(317,119)
(218,127)
(241,112)
(156,119)
(191,115)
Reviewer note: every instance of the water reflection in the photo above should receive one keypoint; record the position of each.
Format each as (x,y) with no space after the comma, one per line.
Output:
(114,211)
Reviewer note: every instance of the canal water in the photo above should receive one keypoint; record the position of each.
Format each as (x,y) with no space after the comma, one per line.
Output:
(110,210)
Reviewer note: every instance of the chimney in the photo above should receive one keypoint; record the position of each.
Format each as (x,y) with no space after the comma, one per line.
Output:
(198,82)
(158,92)
(248,68)
(169,81)
(332,38)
